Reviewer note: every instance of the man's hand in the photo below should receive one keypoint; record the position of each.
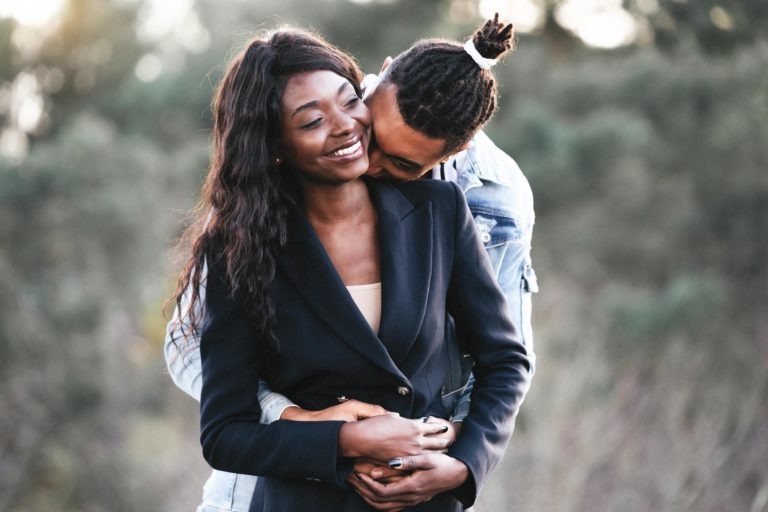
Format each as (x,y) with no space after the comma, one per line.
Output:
(380,470)
(432,474)
(351,410)
(449,435)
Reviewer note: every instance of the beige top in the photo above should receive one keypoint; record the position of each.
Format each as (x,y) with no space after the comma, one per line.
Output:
(368,300)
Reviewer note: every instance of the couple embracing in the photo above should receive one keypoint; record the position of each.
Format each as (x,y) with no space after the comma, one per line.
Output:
(359,339)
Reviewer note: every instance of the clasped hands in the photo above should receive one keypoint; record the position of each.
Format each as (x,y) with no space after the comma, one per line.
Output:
(399,462)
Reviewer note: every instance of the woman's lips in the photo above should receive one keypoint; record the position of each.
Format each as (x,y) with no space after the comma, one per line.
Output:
(347,150)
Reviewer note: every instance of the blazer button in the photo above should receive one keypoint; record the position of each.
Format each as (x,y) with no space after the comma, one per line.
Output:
(403,390)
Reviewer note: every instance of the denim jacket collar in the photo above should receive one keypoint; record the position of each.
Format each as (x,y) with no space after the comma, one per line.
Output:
(485,161)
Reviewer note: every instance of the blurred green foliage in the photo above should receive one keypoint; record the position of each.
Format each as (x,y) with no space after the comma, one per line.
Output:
(649,168)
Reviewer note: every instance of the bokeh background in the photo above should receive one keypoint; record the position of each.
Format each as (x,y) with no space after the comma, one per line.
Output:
(642,126)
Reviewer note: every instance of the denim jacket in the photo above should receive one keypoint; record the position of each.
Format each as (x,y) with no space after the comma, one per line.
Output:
(500,198)
(501,202)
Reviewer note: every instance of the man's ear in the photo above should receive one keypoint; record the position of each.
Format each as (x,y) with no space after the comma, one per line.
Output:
(458,150)
(386,64)
(465,146)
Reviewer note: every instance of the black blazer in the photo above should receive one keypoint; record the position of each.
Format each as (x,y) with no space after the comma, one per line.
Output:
(432,264)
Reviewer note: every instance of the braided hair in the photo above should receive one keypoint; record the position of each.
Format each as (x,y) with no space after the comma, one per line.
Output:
(441,90)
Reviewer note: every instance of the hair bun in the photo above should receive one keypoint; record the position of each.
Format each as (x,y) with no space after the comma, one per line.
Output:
(494,39)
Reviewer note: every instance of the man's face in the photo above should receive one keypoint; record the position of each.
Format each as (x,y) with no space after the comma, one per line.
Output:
(398,151)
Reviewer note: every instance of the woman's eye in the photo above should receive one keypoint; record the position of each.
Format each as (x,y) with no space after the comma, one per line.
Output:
(311,124)
(353,100)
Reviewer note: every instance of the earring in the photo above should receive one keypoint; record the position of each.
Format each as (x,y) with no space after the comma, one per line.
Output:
(278,160)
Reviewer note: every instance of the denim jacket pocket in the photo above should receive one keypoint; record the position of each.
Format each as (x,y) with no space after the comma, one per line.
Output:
(495,228)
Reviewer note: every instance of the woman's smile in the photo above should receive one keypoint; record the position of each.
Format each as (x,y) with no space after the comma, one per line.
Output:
(348,152)
(325,128)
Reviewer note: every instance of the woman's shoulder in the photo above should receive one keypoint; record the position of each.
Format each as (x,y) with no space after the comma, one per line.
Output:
(444,199)
(428,190)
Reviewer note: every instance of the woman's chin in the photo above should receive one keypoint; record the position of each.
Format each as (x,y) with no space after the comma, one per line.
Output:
(352,170)
(338,174)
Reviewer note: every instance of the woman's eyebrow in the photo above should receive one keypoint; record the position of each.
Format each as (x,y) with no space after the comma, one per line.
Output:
(314,103)
(309,104)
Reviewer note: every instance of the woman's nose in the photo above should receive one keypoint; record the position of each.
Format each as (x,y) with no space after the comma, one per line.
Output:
(343,123)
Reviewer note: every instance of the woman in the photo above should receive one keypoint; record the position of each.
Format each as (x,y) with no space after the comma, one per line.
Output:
(297,246)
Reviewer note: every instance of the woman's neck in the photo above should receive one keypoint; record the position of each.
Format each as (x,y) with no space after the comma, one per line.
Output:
(328,205)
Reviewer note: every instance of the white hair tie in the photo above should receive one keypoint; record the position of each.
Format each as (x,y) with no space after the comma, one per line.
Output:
(481,61)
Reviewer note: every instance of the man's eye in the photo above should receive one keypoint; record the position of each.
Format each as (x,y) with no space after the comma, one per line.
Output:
(404,166)
(311,124)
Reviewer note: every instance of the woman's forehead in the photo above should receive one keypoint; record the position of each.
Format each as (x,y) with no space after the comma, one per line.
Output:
(312,85)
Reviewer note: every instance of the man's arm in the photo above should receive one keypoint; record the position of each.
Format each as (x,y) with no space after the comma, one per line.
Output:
(517,281)
(182,356)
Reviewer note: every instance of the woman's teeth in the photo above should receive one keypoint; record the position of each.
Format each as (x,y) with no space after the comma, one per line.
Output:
(346,151)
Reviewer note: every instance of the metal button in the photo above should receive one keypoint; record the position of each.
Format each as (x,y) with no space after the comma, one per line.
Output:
(485,237)
(342,399)
(403,390)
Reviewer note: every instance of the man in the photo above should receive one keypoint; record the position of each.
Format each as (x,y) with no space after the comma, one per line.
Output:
(423,124)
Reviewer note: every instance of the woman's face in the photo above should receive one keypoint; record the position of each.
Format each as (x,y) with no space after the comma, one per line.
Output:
(325,128)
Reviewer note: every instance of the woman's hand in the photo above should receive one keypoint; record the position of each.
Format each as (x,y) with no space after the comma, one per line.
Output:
(351,410)
(379,471)
(431,474)
(389,436)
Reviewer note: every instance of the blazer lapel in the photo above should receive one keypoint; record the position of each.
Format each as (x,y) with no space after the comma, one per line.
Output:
(405,242)
(307,265)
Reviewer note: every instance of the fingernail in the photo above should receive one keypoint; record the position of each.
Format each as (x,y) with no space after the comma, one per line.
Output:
(376,473)
(395,463)
(357,475)
(444,429)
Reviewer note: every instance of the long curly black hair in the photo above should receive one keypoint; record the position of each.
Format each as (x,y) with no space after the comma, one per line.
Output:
(240,219)
(442,92)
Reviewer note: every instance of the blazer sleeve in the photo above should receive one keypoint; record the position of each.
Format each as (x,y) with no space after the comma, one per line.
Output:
(502,368)
(232,437)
